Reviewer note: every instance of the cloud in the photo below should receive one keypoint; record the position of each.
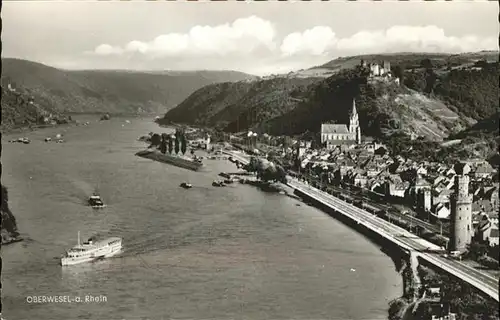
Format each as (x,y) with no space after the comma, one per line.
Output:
(315,41)
(250,44)
(243,36)
(321,40)
(106,50)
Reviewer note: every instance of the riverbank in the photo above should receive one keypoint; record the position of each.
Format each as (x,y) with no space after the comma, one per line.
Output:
(9,239)
(277,187)
(9,232)
(24,129)
(457,296)
(400,307)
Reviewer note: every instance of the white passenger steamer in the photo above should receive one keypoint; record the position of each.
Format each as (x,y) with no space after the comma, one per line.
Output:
(89,250)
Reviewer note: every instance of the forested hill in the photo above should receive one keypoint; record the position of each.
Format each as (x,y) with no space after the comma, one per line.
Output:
(107,91)
(438,95)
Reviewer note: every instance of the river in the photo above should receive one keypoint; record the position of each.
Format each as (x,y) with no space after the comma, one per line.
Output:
(202,253)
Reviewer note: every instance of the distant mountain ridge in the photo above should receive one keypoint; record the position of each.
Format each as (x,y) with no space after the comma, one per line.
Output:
(300,101)
(107,91)
(411,59)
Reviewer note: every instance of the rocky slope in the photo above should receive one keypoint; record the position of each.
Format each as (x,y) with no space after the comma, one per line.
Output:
(9,230)
(108,91)
(295,103)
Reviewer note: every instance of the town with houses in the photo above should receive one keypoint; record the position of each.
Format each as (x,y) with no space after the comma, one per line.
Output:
(426,187)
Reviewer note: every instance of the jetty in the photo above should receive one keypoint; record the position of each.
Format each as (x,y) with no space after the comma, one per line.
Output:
(179,161)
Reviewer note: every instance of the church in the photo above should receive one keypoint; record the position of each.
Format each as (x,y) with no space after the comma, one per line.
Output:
(333,135)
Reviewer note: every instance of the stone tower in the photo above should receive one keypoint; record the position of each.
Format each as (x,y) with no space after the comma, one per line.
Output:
(354,127)
(461,210)
(387,66)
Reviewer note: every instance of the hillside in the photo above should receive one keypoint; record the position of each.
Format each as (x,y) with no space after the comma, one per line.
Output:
(19,109)
(383,107)
(462,92)
(241,104)
(469,90)
(482,140)
(108,91)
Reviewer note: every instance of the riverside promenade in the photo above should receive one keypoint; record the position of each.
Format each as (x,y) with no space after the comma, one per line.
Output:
(415,246)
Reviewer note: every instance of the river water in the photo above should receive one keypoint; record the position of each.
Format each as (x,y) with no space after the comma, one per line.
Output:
(203,253)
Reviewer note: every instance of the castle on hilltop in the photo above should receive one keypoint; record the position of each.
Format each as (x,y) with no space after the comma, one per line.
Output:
(380,70)
(339,134)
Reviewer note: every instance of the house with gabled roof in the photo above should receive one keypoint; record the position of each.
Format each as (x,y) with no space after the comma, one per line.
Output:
(421,170)
(359,179)
(443,196)
(397,189)
(486,230)
(483,170)
(491,194)
(435,181)
(482,206)
(450,172)
(441,211)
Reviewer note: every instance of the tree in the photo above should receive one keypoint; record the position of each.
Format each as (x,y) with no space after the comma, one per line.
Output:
(286,142)
(170,144)
(477,249)
(398,72)
(380,151)
(253,165)
(163,146)
(430,81)
(176,145)
(183,144)
(426,63)
(155,140)
(268,174)
(164,142)
(280,174)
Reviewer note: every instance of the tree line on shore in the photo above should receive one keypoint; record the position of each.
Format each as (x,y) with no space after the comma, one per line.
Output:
(171,143)
(266,170)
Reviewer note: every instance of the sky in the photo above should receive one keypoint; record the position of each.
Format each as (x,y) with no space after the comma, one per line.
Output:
(255,37)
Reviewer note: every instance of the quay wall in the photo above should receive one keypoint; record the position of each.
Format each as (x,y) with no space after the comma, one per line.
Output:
(401,258)
(388,245)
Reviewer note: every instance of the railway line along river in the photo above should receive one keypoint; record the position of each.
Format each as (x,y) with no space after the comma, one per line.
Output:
(202,253)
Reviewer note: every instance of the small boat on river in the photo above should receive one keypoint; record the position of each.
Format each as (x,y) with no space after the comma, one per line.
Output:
(186,185)
(95,202)
(218,183)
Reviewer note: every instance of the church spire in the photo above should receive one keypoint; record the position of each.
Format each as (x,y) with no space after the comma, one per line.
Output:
(353,111)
